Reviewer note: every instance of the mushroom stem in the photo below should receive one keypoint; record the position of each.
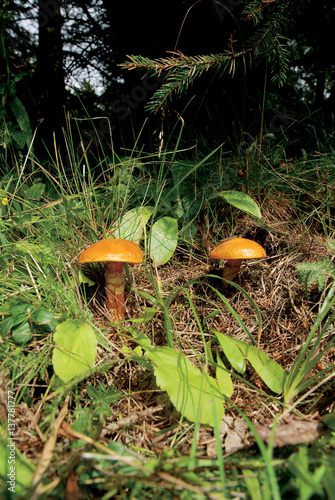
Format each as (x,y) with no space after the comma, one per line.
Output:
(115,280)
(231,269)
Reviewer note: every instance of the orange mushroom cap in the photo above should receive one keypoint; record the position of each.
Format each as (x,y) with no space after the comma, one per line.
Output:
(112,250)
(238,248)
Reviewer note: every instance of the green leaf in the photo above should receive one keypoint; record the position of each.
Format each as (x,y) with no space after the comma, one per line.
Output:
(76,349)
(132,224)
(196,395)
(22,468)
(149,313)
(42,316)
(19,318)
(35,191)
(6,326)
(164,239)
(21,333)
(82,278)
(241,201)
(268,369)
(137,350)
(20,308)
(141,337)
(308,482)
(232,352)
(223,377)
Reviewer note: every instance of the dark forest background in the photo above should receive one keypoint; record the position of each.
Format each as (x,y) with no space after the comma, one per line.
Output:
(50,48)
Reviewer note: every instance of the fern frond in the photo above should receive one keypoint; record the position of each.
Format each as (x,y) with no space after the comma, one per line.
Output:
(316,272)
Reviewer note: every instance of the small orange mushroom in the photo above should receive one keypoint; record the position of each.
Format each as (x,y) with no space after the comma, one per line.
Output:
(115,252)
(234,250)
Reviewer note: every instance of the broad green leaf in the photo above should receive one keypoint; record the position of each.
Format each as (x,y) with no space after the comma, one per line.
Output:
(19,318)
(224,378)
(35,191)
(42,316)
(21,333)
(20,308)
(241,201)
(196,395)
(17,136)
(137,350)
(232,352)
(132,224)
(48,328)
(22,468)
(76,349)
(268,369)
(164,239)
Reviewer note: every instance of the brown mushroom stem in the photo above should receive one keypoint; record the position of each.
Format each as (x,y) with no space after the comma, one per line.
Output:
(115,280)
(231,269)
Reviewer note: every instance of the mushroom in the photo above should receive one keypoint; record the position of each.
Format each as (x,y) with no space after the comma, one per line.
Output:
(235,250)
(115,252)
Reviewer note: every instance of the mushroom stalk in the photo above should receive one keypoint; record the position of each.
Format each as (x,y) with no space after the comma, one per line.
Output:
(115,280)
(231,269)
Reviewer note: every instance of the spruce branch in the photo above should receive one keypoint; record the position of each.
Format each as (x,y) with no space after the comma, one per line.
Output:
(179,70)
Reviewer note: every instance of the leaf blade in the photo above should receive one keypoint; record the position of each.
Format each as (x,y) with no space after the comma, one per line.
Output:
(241,201)
(164,239)
(76,349)
(196,395)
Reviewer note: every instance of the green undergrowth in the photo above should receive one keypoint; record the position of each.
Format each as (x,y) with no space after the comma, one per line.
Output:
(57,353)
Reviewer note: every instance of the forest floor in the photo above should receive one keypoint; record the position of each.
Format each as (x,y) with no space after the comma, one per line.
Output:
(80,453)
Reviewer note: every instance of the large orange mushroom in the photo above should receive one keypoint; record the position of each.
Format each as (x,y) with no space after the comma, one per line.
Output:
(234,250)
(115,252)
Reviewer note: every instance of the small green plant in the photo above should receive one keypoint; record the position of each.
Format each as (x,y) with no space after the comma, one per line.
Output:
(23,320)
(316,272)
